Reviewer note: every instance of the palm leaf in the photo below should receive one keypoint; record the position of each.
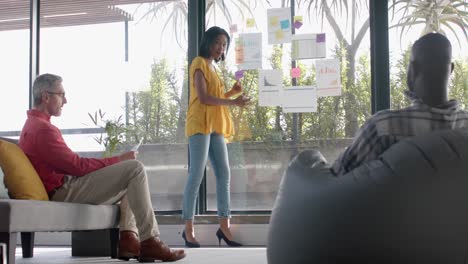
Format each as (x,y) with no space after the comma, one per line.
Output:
(436,15)
(241,6)
(317,7)
(463,26)
(451,29)
(177,14)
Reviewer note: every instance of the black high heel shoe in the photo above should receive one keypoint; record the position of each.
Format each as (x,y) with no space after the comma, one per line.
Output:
(230,243)
(188,243)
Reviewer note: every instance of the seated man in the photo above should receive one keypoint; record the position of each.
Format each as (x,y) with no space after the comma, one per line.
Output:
(428,76)
(68,177)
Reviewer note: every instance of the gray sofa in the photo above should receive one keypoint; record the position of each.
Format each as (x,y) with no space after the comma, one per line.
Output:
(409,206)
(29,216)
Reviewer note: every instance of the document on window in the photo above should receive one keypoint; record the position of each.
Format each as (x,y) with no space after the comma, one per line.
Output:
(279,25)
(299,99)
(328,77)
(249,51)
(308,46)
(270,87)
(137,146)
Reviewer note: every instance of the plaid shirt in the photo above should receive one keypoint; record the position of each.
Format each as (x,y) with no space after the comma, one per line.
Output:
(387,127)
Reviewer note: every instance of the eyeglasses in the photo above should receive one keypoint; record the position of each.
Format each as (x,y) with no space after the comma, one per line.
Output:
(59,94)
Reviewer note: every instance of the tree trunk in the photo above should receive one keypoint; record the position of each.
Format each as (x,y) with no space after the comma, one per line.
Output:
(278,120)
(299,125)
(158,121)
(351,123)
(336,107)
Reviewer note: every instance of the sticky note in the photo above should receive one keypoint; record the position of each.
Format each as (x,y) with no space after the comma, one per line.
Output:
(233,28)
(239,74)
(297,24)
(295,72)
(284,24)
(273,21)
(298,19)
(250,22)
(279,34)
(320,37)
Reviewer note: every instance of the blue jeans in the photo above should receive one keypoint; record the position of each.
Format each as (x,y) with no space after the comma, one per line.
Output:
(200,148)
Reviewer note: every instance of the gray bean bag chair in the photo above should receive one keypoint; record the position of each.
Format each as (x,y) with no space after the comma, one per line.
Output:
(409,206)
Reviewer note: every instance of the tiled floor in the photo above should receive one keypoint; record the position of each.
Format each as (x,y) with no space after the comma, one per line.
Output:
(62,255)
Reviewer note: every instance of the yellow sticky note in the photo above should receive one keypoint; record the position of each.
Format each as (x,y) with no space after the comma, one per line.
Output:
(274,21)
(250,22)
(298,19)
(279,34)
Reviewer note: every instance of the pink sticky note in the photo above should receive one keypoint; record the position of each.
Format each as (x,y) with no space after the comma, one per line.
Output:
(233,28)
(295,72)
(239,74)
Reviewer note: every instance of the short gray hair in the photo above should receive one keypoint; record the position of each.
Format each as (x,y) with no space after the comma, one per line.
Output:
(44,82)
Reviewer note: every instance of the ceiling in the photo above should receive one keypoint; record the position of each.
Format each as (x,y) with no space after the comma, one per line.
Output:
(14,14)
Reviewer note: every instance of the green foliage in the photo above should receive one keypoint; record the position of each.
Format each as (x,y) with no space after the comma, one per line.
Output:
(436,15)
(330,11)
(159,112)
(155,112)
(398,81)
(114,129)
(362,89)
(459,82)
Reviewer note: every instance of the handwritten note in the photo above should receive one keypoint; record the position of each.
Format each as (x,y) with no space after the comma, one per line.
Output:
(328,77)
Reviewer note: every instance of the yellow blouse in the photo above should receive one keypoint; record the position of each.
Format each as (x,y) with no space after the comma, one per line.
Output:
(203,118)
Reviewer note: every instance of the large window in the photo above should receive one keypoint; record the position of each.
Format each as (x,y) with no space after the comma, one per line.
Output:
(267,137)
(120,68)
(14,68)
(129,61)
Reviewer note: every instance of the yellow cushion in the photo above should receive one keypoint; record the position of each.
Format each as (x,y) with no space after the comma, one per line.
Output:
(21,179)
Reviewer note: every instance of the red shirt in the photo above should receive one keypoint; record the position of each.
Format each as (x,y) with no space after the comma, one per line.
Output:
(43,144)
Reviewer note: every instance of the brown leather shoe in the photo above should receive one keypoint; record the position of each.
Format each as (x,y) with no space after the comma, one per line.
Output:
(154,249)
(129,245)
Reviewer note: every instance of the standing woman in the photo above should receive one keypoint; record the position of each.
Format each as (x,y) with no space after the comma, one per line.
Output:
(208,124)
